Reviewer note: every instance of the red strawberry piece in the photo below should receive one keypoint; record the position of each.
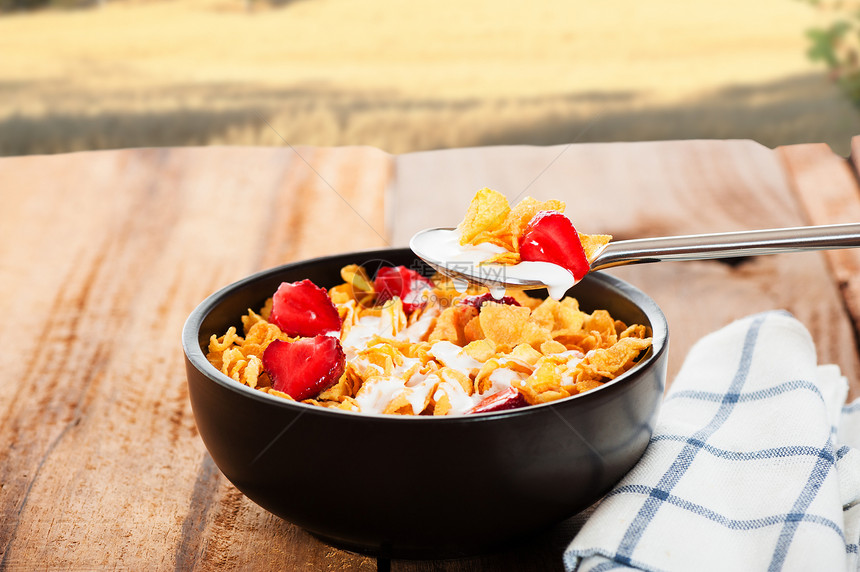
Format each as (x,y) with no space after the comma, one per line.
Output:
(408,285)
(478,300)
(304,368)
(509,398)
(304,309)
(551,237)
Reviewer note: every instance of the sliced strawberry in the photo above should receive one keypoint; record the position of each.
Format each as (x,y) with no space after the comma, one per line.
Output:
(304,309)
(402,282)
(509,398)
(304,368)
(550,237)
(478,300)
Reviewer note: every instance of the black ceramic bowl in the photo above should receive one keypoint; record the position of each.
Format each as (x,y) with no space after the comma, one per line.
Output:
(421,486)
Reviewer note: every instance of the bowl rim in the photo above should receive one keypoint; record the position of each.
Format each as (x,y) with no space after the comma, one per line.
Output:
(197,358)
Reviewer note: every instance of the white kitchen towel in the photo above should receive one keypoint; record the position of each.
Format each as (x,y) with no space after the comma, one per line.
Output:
(754,464)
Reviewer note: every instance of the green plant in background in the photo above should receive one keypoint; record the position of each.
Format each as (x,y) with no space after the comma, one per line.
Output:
(837,44)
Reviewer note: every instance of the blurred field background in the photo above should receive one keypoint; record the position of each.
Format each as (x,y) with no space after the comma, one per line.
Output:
(407,76)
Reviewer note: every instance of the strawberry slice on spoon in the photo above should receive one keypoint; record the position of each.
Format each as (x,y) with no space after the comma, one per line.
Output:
(551,237)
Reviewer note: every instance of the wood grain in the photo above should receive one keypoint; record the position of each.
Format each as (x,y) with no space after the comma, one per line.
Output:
(826,186)
(104,255)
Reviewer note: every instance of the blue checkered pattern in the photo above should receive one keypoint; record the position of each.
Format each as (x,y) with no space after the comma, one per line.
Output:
(753,465)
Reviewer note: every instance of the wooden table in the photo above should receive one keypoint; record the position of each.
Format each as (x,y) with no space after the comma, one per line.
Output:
(103,255)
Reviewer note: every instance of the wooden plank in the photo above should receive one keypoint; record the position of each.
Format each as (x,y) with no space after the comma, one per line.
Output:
(651,189)
(634,189)
(826,186)
(103,256)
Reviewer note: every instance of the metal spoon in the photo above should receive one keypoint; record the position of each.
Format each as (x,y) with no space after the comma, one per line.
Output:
(623,252)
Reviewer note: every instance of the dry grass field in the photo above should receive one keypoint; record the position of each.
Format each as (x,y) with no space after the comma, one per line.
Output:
(407,76)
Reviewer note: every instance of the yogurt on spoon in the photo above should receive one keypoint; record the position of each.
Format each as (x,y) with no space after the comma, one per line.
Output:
(441,249)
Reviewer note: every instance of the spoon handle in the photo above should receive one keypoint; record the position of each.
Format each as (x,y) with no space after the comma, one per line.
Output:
(728,244)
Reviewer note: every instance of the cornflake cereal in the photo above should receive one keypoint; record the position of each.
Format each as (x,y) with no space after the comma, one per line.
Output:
(408,345)
(490,219)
